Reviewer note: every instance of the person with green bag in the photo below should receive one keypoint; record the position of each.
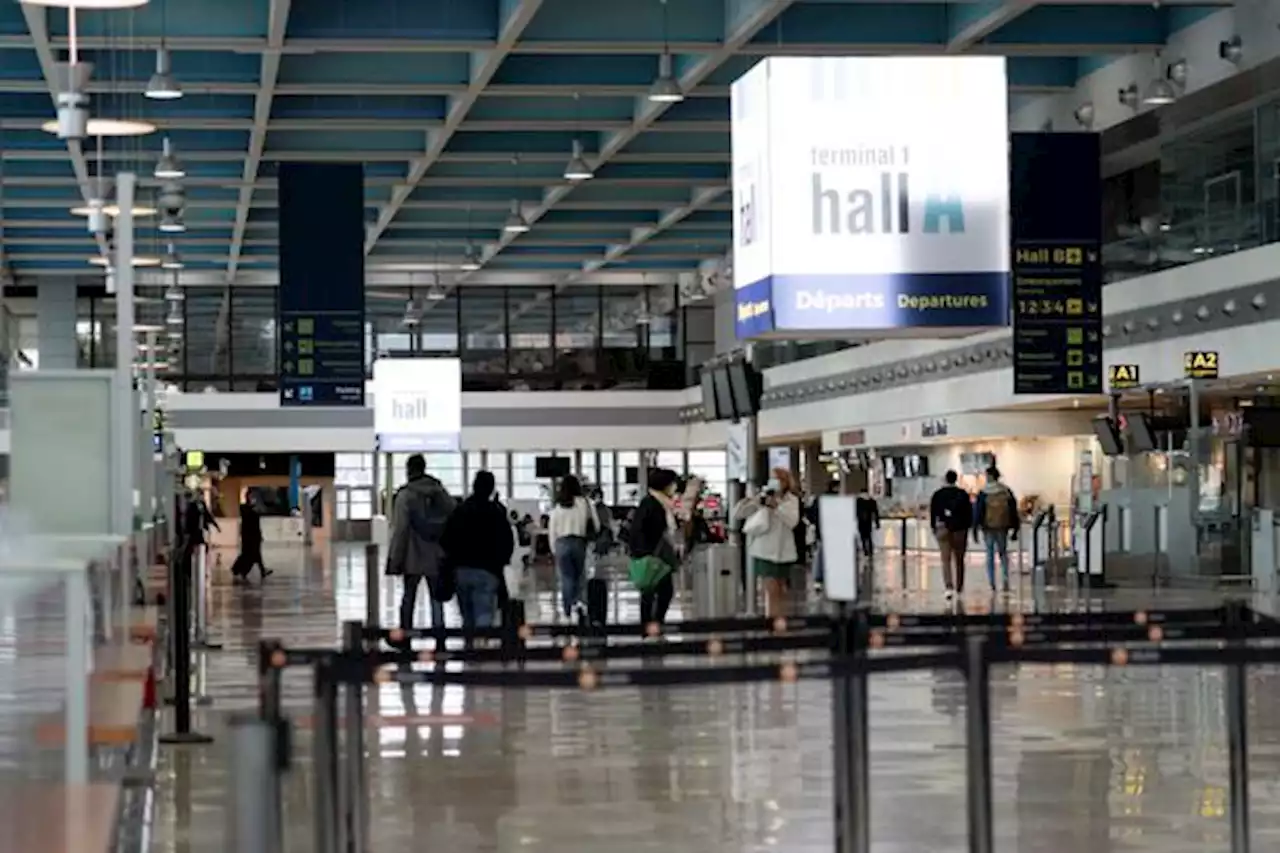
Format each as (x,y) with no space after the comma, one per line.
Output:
(653,554)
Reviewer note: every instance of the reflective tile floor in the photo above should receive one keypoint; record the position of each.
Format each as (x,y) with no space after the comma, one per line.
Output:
(1085,760)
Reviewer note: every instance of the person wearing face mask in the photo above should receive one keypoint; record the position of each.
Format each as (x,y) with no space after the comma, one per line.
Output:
(769,527)
(653,553)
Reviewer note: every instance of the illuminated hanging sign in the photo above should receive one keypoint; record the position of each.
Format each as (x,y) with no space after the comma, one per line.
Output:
(870,194)
(1122,377)
(1200,364)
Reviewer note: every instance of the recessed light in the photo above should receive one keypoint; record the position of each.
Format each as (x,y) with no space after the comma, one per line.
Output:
(113,210)
(138,261)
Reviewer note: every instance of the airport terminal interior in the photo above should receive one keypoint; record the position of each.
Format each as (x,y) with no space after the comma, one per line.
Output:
(666,425)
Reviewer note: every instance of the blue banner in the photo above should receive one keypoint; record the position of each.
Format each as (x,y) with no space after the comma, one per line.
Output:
(835,302)
(321,304)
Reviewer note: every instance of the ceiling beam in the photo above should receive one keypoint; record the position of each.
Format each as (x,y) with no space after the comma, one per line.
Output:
(277,27)
(981,20)
(484,65)
(737,34)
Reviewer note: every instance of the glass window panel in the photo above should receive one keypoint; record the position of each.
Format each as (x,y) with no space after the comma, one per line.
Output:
(344,502)
(622,357)
(608,476)
(531,365)
(206,338)
(353,469)
(361,505)
(712,466)
(577,335)
(497,462)
(438,324)
(447,468)
(484,338)
(673,459)
(525,484)
(253,331)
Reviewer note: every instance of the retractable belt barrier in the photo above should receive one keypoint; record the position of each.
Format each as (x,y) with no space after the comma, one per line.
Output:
(850,646)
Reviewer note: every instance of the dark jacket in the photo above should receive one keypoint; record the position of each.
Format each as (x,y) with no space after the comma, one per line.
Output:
(418,515)
(250,527)
(980,507)
(950,508)
(649,536)
(868,513)
(478,536)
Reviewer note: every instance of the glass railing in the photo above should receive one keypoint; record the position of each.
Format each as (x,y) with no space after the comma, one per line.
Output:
(1162,246)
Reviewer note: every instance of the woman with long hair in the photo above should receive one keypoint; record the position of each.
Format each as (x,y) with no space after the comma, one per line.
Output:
(653,554)
(569,529)
(769,525)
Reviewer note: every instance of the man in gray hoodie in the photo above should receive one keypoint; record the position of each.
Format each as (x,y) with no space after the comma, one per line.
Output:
(418,515)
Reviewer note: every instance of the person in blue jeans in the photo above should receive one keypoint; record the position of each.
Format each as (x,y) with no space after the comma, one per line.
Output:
(996,516)
(478,544)
(571,526)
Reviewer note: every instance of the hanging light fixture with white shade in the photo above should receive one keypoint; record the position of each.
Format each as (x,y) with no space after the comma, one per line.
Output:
(665,89)
(472,260)
(516,223)
(138,261)
(88,4)
(163,86)
(577,168)
(1159,91)
(172,260)
(169,167)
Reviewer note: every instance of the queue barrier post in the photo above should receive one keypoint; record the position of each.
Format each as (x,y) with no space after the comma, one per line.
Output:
(978,745)
(353,786)
(252,823)
(1237,708)
(270,698)
(851,733)
(180,638)
(329,834)
(372,585)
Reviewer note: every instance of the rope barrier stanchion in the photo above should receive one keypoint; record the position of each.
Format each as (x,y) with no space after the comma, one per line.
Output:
(372,586)
(180,633)
(850,732)
(254,780)
(271,662)
(354,783)
(1237,708)
(324,761)
(978,745)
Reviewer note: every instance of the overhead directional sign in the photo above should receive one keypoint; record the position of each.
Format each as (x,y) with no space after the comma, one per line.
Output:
(1057,265)
(1123,376)
(321,303)
(1200,364)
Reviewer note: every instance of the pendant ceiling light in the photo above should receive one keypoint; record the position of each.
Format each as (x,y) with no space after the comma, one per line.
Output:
(168,167)
(171,223)
(665,89)
(471,259)
(138,261)
(113,210)
(1159,93)
(516,223)
(174,293)
(172,260)
(88,4)
(163,86)
(106,127)
(577,168)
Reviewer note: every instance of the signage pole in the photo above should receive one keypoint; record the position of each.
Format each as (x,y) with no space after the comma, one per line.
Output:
(1193,475)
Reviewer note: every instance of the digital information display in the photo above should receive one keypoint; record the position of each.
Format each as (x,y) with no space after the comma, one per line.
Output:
(1057,263)
(321,305)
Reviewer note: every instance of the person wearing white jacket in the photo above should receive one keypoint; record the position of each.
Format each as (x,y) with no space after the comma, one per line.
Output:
(768,524)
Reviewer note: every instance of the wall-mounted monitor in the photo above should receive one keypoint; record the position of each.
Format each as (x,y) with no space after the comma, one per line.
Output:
(723,393)
(1139,436)
(710,403)
(747,385)
(551,467)
(1108,434)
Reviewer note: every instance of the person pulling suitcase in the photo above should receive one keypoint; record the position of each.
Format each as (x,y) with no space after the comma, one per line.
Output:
(250,546)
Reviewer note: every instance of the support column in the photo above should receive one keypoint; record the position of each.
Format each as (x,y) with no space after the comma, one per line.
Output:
(56,324)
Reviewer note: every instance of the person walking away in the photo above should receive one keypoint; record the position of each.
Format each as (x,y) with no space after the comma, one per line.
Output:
(250,544)
(569,528)
(996,516)
(419,512)
(478,543)
(653,553)
(605,538)
(950,517)
(771,543)
(867,512)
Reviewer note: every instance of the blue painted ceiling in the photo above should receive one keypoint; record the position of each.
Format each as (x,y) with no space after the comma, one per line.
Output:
(459,107)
